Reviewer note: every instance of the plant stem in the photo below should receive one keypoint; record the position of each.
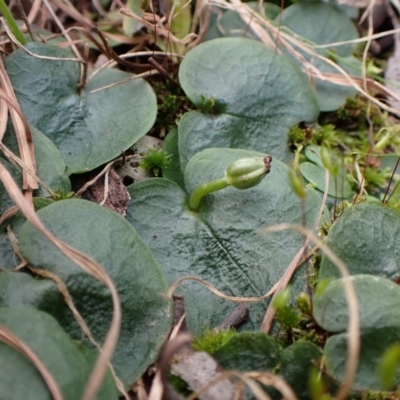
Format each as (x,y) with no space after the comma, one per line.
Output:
(203,190)
(12,24)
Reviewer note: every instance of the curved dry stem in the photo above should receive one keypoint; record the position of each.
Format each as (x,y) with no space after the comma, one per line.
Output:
(22,131)
(12,38)
(287,275)
(353,328)
(88,265)
(214,290)
(8,214)
(62,288)
(171,347)
(143,74)
(161,30)
(248,378)
(16,161)
(13,341)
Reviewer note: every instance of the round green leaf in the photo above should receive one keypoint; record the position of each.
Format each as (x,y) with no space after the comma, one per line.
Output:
(364,238)
(89,128)
(50,166)
(374,343)
(323,23)
(296,363)
(70,364)
(378,300)
(376,296)
(313,154)
(330,95)
(18,289)
(250,96)
(222,243)
(109,239)
(339,187)
(249,351)
(230,24)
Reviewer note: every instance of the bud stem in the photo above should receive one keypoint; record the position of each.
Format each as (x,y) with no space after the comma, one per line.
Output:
(203,190)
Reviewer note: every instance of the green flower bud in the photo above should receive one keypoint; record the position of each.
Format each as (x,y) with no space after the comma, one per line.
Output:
(383,142)
(241,174)
(327,160)
(248,172)
(296,182)
(281,299)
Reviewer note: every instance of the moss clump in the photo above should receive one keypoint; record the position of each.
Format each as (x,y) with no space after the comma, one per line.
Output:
(210,341)
(155,161)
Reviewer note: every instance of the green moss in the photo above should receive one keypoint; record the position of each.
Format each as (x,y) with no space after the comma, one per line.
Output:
(171,103)
(155,161)
(207,105)
(210,341)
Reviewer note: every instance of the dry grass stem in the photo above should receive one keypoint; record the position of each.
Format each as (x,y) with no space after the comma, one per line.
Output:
(22,133)
(353,328)
(14,40)
(171,347)
(215,291)
(148,21)
(256,389)
(16,161)
(88,265)
(106,188)
(105,170)
(35,9)
(62,288)
(263,377)
(8,214)
(272,35)
(15,246)
(147,73)
(68,8)
(284,281)
(13,341)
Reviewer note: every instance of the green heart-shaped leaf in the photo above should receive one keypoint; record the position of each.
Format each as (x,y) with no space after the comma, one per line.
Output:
(297,361)
(108,238)
(339,186)
(70,364)
(322,24)
(253,96)
(249,351)
(89,128)
(364,238)
(222,243)
(228,23)
(378,300)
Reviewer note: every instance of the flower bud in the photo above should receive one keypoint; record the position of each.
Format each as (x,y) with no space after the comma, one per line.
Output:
(383,142)
(248,172)
(297,184)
